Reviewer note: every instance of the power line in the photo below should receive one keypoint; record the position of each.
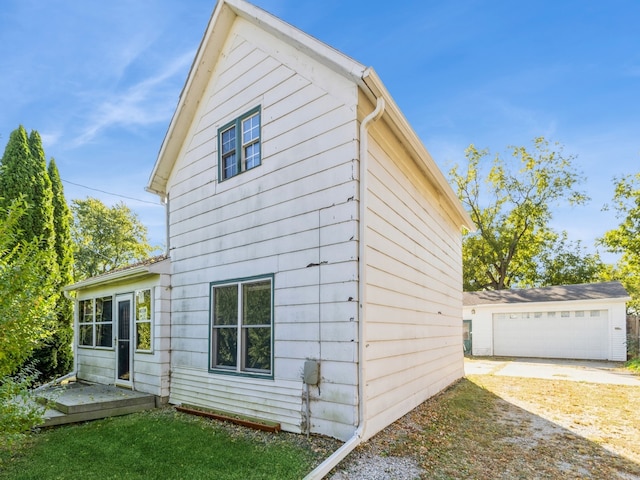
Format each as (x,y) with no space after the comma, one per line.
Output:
(111,193)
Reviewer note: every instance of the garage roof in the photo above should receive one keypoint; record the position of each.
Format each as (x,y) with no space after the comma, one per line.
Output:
(583,291)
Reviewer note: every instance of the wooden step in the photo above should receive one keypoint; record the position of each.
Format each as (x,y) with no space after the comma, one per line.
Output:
(78,402)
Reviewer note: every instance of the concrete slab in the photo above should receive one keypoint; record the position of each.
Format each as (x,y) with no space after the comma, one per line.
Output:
(554,369)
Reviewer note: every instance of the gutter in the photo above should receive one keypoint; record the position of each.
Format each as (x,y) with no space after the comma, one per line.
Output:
(336,457)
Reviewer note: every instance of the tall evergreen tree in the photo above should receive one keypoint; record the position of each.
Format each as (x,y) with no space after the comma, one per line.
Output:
(57,353)
(23,175)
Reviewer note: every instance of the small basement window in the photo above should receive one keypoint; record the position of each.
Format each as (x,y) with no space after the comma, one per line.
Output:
(239,145)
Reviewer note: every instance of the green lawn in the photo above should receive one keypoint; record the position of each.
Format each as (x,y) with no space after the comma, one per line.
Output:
(161,444)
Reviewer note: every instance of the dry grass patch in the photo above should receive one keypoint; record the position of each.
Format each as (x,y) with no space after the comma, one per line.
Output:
(509,428)
(604,414)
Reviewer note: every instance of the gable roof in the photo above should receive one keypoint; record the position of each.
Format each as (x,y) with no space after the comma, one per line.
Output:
(583,291)
(220,24)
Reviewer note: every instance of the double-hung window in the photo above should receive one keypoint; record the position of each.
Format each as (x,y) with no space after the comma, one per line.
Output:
(143,320)
(239,145)
(95,319)
(241,334)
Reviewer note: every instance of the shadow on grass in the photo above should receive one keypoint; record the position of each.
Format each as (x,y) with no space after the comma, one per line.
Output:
(469,432)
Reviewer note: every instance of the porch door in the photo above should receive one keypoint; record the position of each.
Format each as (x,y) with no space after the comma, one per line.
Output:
(124,345)
(466,336)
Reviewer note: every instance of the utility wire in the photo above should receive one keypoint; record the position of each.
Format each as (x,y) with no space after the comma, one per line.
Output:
(110,193)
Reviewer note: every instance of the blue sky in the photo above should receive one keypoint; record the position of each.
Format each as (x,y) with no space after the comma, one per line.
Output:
(100,80)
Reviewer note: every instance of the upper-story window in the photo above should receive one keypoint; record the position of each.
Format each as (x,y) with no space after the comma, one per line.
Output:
(239,145)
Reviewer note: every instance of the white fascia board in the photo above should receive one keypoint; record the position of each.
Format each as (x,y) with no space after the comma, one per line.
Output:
(404,131)
(207,55)
(158,268)
(107,278)
(552,305)
(307,44)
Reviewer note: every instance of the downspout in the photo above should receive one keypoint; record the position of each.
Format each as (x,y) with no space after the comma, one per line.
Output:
(165,200)
(336,457)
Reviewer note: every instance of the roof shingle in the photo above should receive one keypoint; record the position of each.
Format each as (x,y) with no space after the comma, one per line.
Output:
(583,291)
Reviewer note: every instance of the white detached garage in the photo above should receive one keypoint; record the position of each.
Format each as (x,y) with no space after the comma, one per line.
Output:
(586,321)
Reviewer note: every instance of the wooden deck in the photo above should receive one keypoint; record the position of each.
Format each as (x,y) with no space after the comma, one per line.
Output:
(79,402)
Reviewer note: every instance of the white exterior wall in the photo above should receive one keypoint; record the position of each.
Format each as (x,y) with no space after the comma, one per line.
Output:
(413,286)
(150,370)
(482,322)
(296,209)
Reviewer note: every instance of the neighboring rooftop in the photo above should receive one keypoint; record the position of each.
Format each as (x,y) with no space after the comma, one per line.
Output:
(583,291)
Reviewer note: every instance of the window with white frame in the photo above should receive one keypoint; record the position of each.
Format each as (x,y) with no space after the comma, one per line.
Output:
(143,320)
(239,145)
(95,322)
(241,334)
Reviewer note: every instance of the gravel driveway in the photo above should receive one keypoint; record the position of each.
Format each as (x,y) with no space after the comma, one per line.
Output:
(513,418)
(611,373)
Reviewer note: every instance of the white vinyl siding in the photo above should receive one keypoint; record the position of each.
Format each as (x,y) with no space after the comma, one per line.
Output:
(150,367)
(413,298)
(295,215)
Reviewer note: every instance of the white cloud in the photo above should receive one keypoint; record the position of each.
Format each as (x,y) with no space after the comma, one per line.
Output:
(146,102)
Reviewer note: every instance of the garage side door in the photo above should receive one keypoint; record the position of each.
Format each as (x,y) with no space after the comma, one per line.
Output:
(582,335)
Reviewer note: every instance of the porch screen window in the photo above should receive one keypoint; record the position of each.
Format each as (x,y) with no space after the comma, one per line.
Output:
(241,336)
(143,320)
(239,145)
(95,322)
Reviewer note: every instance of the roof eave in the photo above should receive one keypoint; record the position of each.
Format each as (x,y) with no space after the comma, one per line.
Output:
(162,267)
(401,127)
(206,57)
(548,302)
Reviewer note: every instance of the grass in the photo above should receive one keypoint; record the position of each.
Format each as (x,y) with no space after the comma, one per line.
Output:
(634,365)
(484,426)
(161,444)
(501,427)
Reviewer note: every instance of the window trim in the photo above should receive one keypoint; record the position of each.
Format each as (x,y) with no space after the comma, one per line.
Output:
(149,319)
(238,369)
(94,323)
(239,143)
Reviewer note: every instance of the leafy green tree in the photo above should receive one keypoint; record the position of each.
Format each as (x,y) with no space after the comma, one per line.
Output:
(563,262)
(106,238)
(19,410)
(625,239)
(510,205)
(56,356)
(27,300)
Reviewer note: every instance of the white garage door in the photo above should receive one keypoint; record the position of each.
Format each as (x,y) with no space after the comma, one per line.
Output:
(552,334)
